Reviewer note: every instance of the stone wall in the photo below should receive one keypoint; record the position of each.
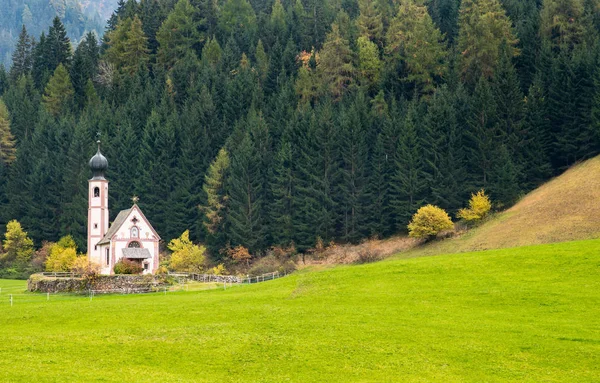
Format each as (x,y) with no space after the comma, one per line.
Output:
(99,284)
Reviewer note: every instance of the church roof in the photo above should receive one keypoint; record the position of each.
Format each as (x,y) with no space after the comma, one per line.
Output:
(136,253)
(119,221)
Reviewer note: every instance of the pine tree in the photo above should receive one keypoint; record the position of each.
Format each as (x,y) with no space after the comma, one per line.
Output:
(7,140)
(179,34)
(335,64)
(22,56)
(59,92)
(214,211)
(445,15)
(409,178)
(128,46)
(481,136)
(444,150)
(277,21)
(354,153)
(283,191)
(562,22)
(370,22)
(59,45)
(369,64)
(245,187)
(484,27)
(413,39)
(537,137)
(41,70)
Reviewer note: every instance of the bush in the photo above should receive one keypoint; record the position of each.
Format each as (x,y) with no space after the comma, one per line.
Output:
(428,221)
(125,266)
(85,267)
(368,255)
(479,207)
(271,264)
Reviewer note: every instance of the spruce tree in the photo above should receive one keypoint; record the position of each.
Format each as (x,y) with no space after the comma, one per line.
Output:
(413,39)
(59,92)
(215,208)
(335,66)
(245,187)
(179,34)
(7,140)
(22,56)
(484,27)
(59,45)
(409,177)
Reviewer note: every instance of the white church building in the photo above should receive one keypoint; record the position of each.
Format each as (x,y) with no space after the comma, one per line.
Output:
(130,236)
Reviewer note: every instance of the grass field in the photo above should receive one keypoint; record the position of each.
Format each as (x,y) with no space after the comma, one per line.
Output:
(527,314)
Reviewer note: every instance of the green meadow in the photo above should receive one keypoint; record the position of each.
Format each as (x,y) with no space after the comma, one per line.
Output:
(529,314)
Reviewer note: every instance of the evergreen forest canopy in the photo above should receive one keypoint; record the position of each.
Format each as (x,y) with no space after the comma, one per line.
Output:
(265,123)
(79,17)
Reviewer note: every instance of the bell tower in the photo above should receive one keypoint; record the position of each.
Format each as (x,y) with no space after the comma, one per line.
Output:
(97,207)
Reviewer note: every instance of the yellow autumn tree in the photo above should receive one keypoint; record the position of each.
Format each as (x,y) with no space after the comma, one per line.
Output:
(186,256)
(479,206)
(63,255)
(428,221)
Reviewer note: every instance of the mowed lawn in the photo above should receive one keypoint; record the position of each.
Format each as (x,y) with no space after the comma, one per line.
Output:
(527,314)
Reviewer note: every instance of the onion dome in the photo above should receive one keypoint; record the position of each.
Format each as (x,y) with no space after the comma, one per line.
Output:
(98,165)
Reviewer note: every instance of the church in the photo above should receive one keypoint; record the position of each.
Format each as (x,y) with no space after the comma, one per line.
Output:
(131,236)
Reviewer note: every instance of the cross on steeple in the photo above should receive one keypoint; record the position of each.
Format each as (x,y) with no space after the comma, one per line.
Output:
(135,199)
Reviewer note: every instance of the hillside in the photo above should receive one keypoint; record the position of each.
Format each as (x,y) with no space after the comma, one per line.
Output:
(564,209)
(524,315)
(79,17)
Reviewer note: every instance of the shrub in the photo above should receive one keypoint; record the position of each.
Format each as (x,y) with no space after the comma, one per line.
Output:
(82,265)
(218,270)
(479,207)
(428,221)
(368,255)
(125,266)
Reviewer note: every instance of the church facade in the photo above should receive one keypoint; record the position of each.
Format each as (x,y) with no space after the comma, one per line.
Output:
(131,236)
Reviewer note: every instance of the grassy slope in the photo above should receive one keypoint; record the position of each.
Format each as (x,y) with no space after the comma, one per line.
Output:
(564,209)
(526,314)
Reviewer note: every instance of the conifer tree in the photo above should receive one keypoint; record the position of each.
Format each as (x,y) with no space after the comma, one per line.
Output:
(59,45)
(537,136)
(484,27)
(128,46)
(179,34)
(215,209)
(335,64)
(7,140)
(370,22)
(245,188)
(481,134)
(277,20)
(22,56)
(409,178)
(445,15)
(413,39)
(562,22)
(59,92)
(444,150)
(354,154)
(41,71)
(283,191)
(369,64)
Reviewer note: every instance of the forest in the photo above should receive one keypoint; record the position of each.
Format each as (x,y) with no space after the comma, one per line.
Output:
(78,16)
(291,122)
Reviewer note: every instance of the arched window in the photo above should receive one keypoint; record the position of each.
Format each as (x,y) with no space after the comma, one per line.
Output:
(135,233)
(134,244)
(96,192)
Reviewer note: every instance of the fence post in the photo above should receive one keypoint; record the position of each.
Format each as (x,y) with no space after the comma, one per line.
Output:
(48,296)
(11,300)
